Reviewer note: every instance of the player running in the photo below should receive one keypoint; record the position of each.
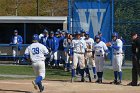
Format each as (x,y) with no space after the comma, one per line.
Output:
(36,52)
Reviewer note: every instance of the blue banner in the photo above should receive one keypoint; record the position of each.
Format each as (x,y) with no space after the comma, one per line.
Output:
(92,16)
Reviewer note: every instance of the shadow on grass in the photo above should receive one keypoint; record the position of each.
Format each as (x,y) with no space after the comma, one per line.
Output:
(15,91)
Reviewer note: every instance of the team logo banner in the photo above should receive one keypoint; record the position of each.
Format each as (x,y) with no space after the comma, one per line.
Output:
(92,16)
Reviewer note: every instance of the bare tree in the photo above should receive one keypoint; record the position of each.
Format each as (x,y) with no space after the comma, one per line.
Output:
(18,2)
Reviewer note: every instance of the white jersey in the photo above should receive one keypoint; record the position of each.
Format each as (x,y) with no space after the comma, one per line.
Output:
(41,35)
(79,45)
(89,44)
(67,43)
(118,43)
(36,51)
(15,40)
(100,48)
(83,38)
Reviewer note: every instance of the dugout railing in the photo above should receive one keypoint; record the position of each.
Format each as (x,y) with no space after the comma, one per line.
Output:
(6,54)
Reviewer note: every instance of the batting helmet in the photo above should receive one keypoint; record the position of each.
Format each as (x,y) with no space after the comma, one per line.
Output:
(35,37)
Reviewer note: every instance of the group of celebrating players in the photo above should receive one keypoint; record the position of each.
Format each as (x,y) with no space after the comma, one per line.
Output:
(78,51)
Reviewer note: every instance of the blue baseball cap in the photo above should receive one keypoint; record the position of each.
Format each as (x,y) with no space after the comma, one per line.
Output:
(87,33)
(56,33)
(82,31)
(97,37)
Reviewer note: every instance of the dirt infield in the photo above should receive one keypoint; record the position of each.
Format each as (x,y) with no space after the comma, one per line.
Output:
(25,86)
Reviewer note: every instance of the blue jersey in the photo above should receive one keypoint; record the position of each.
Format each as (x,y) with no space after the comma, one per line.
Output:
(17,40)
(61,40)
(52,43)
(43,40)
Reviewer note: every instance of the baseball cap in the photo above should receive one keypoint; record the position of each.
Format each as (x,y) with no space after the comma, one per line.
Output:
(45,31)
(56,33)
(99,33)
(15,31)
(82,31)
(97,37)
(87,33)
(51,32)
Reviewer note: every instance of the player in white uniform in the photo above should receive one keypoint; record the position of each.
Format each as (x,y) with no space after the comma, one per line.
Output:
(117,46)
(82,34)
(79,47)
(100,50)
(89,53)
(67,43)
(36,53)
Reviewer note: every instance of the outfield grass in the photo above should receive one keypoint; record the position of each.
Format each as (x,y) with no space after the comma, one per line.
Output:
(53,74)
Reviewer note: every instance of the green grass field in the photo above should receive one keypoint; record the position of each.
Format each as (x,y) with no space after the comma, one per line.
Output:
(52,74)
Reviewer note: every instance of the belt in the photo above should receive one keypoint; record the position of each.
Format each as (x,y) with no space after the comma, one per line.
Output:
(117,53)
(79,53)
(88,51)
(99,55)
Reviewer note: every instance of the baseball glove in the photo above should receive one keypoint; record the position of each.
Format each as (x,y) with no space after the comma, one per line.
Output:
(108,44)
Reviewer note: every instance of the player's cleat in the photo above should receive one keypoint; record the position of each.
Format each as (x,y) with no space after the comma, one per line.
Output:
(132,84)
(119,83)
(72,79)
(42,89)
(100,81)
(114,82)
(89,78)
(82,79)
(97,81)
(94,76)
(35,86)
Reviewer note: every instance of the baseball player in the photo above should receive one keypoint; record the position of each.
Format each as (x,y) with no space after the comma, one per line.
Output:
(117,46)
(102,38)
(60,55)
(100,50)
(17,41)
(79,47)
(52,45)
(44,38)
(89,52)
(36,52)
(67,43)
(82,34)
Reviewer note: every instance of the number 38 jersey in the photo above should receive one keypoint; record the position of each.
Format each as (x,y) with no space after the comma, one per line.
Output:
(37,52)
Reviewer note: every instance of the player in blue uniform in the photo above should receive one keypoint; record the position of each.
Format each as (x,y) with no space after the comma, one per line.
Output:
(52,45)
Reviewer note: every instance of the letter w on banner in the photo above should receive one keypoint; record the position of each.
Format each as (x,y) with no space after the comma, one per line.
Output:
(92,16)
